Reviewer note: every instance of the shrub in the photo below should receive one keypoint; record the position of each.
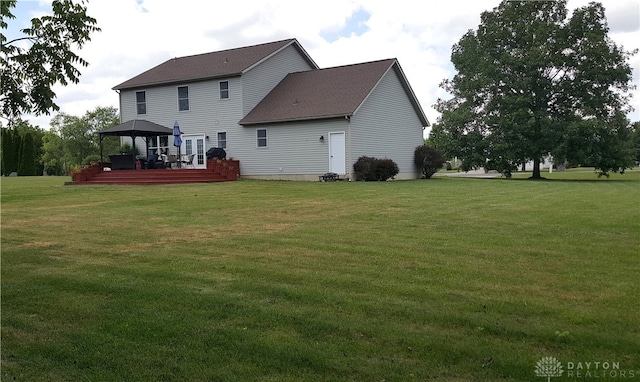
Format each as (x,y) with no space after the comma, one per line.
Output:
(89,159)
(374,169)
(127,148)
(386,169)
(428,159)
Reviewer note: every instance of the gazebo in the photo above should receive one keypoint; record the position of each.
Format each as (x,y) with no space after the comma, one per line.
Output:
(134,128)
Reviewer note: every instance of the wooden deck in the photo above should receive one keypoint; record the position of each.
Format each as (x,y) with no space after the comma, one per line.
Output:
(217,171)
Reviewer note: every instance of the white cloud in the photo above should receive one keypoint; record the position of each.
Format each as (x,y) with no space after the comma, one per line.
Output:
(139,34)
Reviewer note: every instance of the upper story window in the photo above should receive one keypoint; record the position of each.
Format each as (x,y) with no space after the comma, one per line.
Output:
(222,140)
(224,89)
(183,98)
(141,102)
(262,137)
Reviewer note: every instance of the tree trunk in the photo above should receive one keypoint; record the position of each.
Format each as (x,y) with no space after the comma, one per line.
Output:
(536,169)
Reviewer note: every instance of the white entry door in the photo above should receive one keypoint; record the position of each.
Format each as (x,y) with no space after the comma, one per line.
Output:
(337,153)
(194,144)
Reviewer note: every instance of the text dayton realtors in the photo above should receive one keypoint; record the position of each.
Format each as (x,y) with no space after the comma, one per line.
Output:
(598,370)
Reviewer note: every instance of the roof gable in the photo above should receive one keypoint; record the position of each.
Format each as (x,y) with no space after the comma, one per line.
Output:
(325,93)
(224,63)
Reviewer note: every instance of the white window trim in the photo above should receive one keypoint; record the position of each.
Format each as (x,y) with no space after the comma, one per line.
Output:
(138,103)
(266,139)
(220,91)
(218,139)
(188,98)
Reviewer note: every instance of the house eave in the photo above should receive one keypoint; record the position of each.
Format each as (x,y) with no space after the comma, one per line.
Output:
(291,120)
(175,82)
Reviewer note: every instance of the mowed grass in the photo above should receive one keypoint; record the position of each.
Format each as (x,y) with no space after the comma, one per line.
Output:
(446,279)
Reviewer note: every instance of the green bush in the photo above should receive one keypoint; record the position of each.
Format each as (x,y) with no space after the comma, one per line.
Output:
(374,169)
(127,148)
(93,158)
(428,159)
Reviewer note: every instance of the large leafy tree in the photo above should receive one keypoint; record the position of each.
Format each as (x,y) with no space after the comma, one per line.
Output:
(32,64)
(529,80)
(72,140)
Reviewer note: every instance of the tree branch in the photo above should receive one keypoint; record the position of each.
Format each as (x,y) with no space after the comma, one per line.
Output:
(18,39)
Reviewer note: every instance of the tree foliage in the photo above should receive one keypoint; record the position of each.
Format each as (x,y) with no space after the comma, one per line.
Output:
(27,161)
(428,159)
(72,139)
(21,154)
(29,73)
(635,133)
(524,89)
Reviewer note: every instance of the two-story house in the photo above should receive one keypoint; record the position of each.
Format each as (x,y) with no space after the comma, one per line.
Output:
(270,107)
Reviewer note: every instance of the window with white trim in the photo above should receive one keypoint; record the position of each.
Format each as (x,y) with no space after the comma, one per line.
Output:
(183,98)
(262,137)
(224,89)
(222,140)
(141,102)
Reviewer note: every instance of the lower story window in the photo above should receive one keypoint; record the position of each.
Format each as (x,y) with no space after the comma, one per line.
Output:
(262,137)
(222,140)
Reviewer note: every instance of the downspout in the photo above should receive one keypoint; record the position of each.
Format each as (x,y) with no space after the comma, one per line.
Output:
(119,104)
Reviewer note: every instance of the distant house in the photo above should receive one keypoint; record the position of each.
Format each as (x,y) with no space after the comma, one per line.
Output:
(270,107)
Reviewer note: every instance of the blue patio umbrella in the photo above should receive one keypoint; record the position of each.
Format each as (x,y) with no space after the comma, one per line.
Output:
(177,140)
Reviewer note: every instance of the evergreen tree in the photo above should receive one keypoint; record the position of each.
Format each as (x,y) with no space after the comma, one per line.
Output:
(27,159)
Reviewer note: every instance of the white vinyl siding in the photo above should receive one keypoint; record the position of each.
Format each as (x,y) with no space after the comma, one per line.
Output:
(294,149)
(387,126)
(207,115)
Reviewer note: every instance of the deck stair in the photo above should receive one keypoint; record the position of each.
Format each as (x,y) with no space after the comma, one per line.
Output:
(216,171)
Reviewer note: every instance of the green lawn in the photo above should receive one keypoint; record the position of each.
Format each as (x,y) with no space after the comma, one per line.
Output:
(446,279)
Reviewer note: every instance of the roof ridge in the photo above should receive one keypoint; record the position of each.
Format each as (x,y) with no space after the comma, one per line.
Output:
(232,49)
(348,65)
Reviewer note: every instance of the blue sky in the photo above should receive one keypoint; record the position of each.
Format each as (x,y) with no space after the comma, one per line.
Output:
(139,34)
(356,25)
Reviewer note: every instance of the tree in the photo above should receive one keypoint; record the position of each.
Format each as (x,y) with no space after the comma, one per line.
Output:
(428,159)
(77,137)
(28,75)
(635,131)
(27,157)
(53,158)
(522,89)
(13,146)
(9,152)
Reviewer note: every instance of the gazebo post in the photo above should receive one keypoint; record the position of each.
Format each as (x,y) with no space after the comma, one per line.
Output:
(101,156)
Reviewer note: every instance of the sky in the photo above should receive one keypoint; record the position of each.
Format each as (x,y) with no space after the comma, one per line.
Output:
(140,34)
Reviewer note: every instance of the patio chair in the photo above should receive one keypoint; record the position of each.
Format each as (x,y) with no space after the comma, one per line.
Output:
(187,160)
(153,161)
(170,161)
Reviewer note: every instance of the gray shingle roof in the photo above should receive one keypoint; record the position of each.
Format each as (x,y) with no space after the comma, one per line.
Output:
(137,128)
(224,63)
(325,93)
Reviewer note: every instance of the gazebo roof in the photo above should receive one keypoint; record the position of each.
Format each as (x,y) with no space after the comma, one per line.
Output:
(137,128)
